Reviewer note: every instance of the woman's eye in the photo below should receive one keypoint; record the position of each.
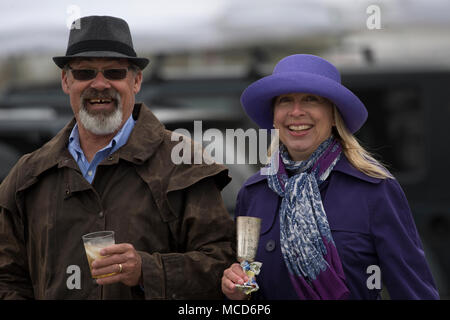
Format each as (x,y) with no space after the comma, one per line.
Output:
(311,98)
(284,100)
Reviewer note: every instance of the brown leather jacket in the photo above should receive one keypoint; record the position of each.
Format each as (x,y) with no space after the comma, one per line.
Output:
(172,214)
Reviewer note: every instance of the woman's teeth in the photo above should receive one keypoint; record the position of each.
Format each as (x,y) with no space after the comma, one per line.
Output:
(300,127)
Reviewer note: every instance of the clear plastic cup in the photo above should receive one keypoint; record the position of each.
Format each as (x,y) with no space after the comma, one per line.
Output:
(93,243)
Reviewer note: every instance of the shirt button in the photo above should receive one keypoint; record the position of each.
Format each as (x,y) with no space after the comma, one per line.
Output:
(101,214)
(270,245)
(90,172)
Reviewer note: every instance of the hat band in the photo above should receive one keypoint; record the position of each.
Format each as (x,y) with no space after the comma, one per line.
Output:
(100,45)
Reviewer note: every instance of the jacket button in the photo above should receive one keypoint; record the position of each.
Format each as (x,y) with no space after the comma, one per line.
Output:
(270,245)
(101,214)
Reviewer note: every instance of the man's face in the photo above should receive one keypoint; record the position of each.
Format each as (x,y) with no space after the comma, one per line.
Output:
(101,105)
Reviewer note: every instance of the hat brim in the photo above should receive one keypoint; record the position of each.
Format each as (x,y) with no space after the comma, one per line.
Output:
(61,61)
(257,99)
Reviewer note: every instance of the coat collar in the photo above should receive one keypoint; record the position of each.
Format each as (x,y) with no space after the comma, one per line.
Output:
(342,166)
(346,167)
(142,143)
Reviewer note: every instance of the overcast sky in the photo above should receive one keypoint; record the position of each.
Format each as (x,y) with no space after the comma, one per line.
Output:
(30,25)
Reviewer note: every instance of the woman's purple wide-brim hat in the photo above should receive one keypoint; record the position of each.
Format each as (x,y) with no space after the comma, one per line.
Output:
(302,73)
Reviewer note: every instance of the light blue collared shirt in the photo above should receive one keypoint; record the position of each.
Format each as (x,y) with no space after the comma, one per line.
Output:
(88,169)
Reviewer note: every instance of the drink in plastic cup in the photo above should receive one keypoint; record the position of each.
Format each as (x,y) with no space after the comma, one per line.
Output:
(93,243)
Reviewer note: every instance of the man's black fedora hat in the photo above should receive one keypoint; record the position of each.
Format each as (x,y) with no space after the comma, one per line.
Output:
(100,37)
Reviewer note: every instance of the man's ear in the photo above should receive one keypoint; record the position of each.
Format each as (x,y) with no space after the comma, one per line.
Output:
(64,82)
(137,82)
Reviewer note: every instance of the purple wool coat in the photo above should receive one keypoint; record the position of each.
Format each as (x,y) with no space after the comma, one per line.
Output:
(371,224)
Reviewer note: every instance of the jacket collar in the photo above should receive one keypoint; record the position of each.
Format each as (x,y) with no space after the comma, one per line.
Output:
(342,166)
(346,167)
(147,135)
(142,143)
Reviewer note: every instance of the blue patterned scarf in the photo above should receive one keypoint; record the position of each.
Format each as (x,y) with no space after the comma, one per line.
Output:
(304,229)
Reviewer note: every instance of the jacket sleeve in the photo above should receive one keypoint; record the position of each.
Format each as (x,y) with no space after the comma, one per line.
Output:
(206,239)
(404,269)
(15,282)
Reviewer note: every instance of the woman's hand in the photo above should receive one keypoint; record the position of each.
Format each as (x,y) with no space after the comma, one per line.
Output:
(232,276)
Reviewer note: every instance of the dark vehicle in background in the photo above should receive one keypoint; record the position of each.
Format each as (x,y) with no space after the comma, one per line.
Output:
(408,117)
(409,113)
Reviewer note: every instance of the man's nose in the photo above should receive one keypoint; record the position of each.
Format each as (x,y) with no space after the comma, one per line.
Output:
(100,82)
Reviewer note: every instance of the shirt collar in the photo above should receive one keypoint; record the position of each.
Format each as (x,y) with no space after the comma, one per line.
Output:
(116,142)
(74,142)
(122,135)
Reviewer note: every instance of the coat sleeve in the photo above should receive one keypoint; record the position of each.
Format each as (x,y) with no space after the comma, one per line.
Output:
(207,247)
(15,282)
(404,269)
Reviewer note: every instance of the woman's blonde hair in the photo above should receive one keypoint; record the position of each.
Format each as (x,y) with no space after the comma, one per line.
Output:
(360,158)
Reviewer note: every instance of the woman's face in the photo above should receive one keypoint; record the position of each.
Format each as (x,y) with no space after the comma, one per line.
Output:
(304,121)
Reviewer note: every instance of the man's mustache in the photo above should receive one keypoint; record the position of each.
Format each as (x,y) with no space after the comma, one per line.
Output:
(92,93)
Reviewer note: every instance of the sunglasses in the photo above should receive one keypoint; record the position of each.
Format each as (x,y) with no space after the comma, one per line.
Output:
(89,74)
